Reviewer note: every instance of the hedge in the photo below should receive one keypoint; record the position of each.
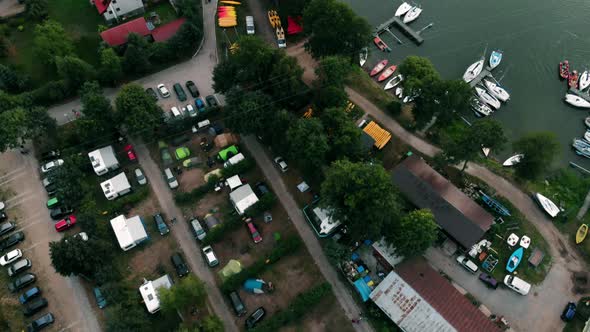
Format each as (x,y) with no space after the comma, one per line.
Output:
(242,167)
(302,304)
(197,193)
(283,247)
(230,223)
(265,202)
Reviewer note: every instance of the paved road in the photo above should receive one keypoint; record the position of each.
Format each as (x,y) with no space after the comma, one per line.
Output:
(66,296)
(183,235)
(341,290)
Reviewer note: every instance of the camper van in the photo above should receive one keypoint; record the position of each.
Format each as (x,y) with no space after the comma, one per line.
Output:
(249,25)
(234,160)
(516,284)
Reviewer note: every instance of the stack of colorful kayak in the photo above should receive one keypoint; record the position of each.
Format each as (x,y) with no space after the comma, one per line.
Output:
(227,16)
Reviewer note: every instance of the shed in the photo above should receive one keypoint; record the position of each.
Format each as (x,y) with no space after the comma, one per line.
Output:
(149,292)
(226,139)
(380,135)
(234,182)
(536,257)
(129,232)
(242,198)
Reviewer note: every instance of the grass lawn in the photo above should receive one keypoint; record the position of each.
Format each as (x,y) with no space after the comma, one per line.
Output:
(164,10)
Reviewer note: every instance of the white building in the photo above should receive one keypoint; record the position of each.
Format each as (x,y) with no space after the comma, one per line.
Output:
(327,225)
(115,11)
(243,198)
(234,182)
(149,292)
(116,186)
(129,232)
(103,160)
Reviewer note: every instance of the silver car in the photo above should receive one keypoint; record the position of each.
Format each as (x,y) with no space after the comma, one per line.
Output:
(163,90)
(141,179)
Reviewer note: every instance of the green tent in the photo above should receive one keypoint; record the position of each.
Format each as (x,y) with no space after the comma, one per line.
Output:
(232,267)
(228,152)
(182,152)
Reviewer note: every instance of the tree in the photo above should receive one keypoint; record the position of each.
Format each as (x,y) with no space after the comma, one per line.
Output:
(12,80)
(333,70)
(51,41)
(111,68)
(540,150)
(36,9)
(307,145)
(188,34)
(137,111)
(414,233)
(126,317)
(74,70)
(417,71)
(342,32)
(361,196)
(212,323)
(20,124)
(96,106)
(344,138)
(249,112)
(330,96)
(190,291)
(278,124)
(68,181)
(136,57)
(286,85)
(74,256)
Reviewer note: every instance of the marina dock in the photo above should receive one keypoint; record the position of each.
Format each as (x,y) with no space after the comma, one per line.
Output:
(487,71)
(404,28)
(580,94)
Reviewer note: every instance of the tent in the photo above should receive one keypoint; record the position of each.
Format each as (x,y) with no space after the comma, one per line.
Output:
(232,267)
(226,139)
(257,286)
(227,153)
(363,289)
(293,27)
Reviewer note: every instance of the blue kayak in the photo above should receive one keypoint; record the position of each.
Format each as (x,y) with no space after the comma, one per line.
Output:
(514,260)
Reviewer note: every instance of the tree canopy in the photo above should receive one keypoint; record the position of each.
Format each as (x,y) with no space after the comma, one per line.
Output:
(51,41)
(249,112)
(307,145)
(36,9)
(344,138)
(125,318)
(413,234)
(190,291)
(111,67)
(74,71)
(74,256)
(68,180)
(333,70)
(540,150)
(20,124)
(137,111)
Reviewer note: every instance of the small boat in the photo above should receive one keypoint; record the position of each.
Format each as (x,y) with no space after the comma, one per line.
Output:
(273,18)
(412,14)
(393,82)
(472,71)
(363,55)
(495,59)
(581,233)
(487,98)
(584,81)
(547,205)
(576,101)
(587,121)
(403,9)
(399,92)
(494,204)
(564,69)
(486,151)
(514,260)
(587,136)
(408,99)
(381,44)
(379,67)
(582,147)
(517,158)
(573,79)
(481,108)
(497,91)
(387,73)
(230,2)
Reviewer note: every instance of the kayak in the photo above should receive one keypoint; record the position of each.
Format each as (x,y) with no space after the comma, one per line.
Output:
(581,233)
(379,67)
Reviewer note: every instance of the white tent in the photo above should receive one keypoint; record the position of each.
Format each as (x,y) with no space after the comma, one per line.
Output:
(243,198)
(129,232)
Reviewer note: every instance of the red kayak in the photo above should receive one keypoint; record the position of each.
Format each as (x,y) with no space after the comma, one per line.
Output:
(573,79)
(564,69)
(379,67)
(381,44)
(388,72)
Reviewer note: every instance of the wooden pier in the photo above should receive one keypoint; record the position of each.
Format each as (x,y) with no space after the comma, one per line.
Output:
(404,28)
(580,94)
(487,71)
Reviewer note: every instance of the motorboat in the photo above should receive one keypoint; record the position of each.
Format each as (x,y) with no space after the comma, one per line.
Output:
(573,79)
(497,91)
(564,69)
(581,233)
(472,71)
(408,99)
(582,147)
(412,14)
(547,205)
(403,9)
(387,73)
(587,135)
(486,151)
(514,259)
(576,101)
(587,121)
(481,108)
(517,158)
(363,55)
(584,81)
(381,44)
(495,58)
(379,67)
(394,82)
(487,98)
(399,92)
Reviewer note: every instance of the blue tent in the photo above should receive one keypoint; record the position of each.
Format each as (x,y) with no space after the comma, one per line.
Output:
(363,289)
(256,286)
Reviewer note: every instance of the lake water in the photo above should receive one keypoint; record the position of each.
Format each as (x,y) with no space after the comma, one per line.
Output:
(534,36)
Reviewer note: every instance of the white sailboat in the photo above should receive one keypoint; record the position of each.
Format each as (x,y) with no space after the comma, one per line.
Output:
(394,82)
(576,101)
(584,81)
(481,108)
(547,205)
(497,91)
(487,98)
(587,135)
(495,59)
(399,92)
(513,160)
(472,71)
(412,14)
(403,9)
(363,55)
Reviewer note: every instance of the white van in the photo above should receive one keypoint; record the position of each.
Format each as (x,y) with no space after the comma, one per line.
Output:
(170,178)
(203,124)
(234,160)
(249,25)
(175,112)
(197,229)
(516,284)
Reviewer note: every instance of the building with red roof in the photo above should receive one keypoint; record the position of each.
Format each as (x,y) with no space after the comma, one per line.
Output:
(166,31)
(102,5)
(118,35)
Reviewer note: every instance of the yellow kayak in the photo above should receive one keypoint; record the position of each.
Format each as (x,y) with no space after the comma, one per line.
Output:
(230,2)
(581,233)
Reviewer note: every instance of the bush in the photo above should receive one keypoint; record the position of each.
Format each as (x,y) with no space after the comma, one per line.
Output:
(264,203)
(394,108)
(239,168)
(197,193)
(50,93)
(230,223)
(124,204)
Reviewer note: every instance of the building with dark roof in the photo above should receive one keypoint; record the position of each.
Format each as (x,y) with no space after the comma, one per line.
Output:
(417,298)
(460,217)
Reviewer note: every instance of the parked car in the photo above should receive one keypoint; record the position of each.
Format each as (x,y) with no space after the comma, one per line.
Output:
(467,264)
(516,284)
(141,179)
(488,280)
(200,104)
(163,90)
(29,294)
(175,112)
(192,89)
(10,257)
(7,227)
(34,306)
(21,282)
(197,229)
(179,264)
(41,322)
(237,304)
(48,167)
(161,224)
(60,212)
(164,153)
(210,256)
(12,240)
(130,152)
(52,202)
(254,232)
(66,223)
(569,312)
(19,267)
(282,164)
(170,178)
(255,317)
(101,302)
(179,92)
(261,188)
(151,93)
(191,110)
(211,101)
(82,236)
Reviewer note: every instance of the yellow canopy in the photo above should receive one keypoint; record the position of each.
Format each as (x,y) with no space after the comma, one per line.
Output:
(380,135)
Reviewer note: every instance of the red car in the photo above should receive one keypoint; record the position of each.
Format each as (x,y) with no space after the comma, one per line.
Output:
(130,153)
(66,223)
(254,232)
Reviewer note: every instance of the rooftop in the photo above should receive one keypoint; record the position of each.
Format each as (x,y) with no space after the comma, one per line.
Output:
(149,292)
(166,31)
(118,35)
